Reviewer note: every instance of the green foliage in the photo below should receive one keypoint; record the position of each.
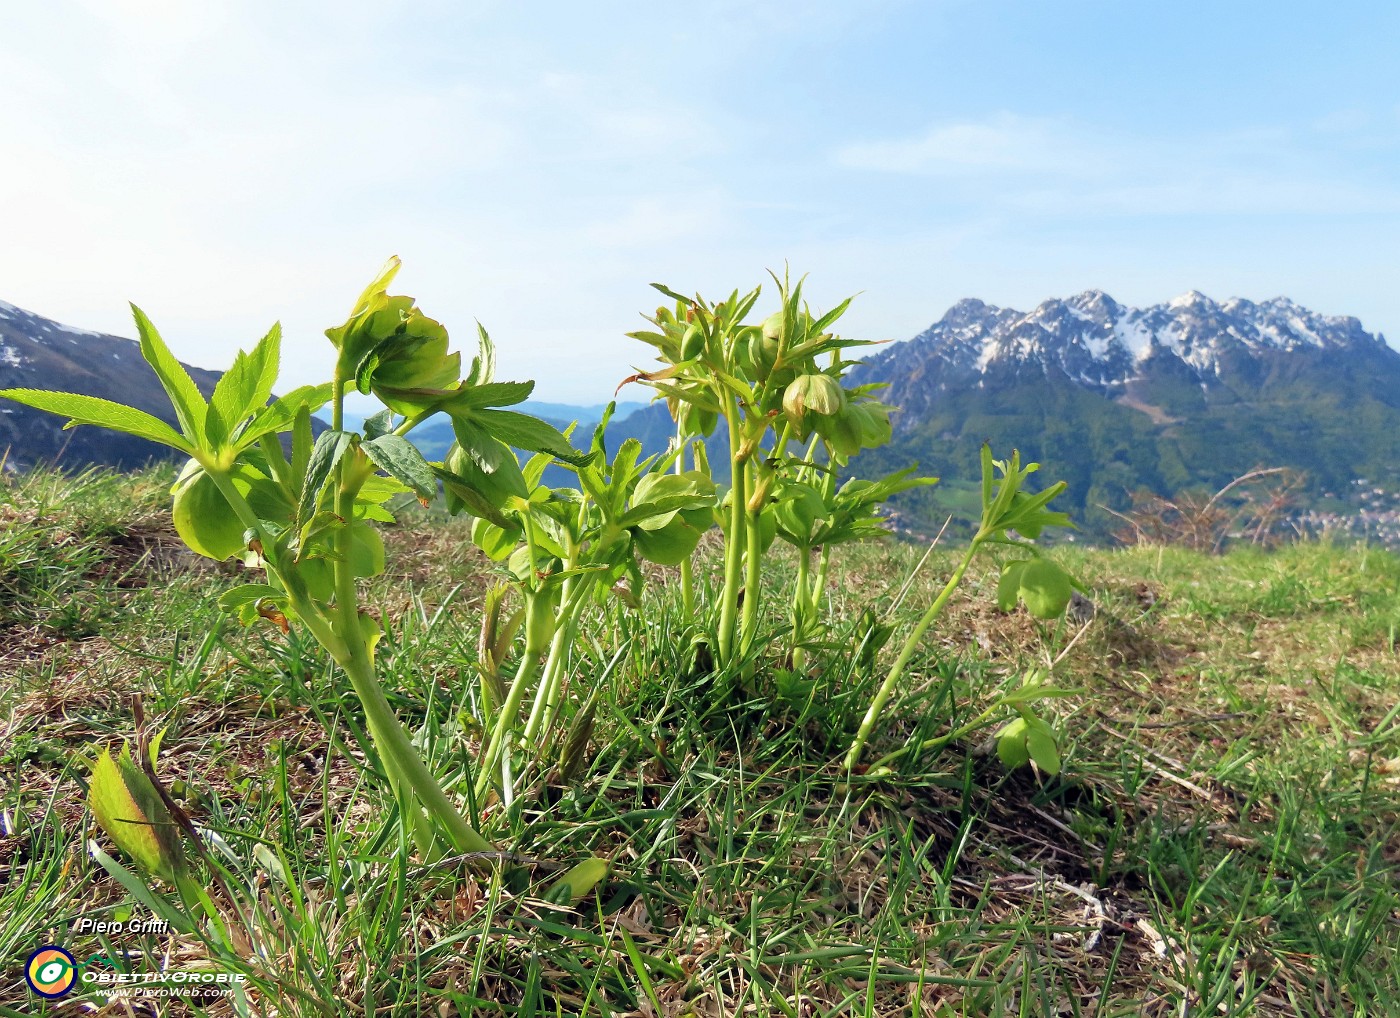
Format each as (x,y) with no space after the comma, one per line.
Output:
(1281,708)
(301,511)
(306,520)
(777,386)
(1007,509)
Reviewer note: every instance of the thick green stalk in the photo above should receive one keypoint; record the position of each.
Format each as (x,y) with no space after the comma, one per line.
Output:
(886,690)
(406,770)
(688,587)
(800,605)
(753,566)
(547,701)
(814,596)
(416,784)
(525,676)
(734,544)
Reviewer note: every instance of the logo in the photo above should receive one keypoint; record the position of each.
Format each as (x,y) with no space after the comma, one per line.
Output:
(51,971)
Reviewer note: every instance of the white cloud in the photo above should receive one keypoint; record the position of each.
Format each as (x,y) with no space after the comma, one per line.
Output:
(1066,169)
(1002,143)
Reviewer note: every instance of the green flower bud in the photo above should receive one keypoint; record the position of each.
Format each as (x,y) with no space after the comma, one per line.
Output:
(842,432)
(202,516)
(773,327)
(818,393)
(693,342)
(763,355)
(1042,585)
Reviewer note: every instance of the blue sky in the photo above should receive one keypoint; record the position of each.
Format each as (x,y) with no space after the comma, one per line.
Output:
(228,164)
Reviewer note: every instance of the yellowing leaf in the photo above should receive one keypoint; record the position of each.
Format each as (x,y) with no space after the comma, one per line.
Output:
(133,817)
(578,882)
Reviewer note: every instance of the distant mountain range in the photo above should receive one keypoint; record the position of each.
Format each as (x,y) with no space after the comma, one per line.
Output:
(37,353)
(1111,398)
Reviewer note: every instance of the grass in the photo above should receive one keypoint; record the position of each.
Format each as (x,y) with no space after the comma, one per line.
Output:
(1223,839)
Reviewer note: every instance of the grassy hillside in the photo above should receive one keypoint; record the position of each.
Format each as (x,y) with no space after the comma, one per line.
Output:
(1333,423)
(1223,840)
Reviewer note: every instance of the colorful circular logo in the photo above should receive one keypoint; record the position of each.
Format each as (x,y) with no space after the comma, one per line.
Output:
(51,971)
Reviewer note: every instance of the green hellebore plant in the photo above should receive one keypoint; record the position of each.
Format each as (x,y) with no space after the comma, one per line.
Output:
(766,383)
(303,516)
(1006,507)
(567,549)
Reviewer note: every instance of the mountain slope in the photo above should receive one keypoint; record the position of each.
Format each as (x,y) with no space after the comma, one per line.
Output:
(37,353)
(1114,398)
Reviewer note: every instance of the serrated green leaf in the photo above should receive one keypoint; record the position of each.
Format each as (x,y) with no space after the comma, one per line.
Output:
(530,433)
(190,408)
(102,413)
(400,458)
(281,414)
(483,369)
(469,498)
(380,424)
(490,394)
(246,386)
(658,497)
(329,447)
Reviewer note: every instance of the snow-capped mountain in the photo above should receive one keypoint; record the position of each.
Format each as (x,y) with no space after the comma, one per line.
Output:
(37,353)
(1115,399)
(1092,340)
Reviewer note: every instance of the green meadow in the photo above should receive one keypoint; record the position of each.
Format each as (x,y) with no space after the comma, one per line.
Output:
(1221,837)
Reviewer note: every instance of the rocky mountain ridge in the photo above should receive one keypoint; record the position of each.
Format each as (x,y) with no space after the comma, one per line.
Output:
(1093,341)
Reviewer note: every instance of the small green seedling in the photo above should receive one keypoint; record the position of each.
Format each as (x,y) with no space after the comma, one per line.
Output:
(1008,510)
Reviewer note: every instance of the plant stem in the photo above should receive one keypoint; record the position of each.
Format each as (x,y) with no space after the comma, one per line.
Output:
(734,542)
(525,676)
(800,606)
(687,575)
(942,740)
(753,568)
(886,690)
(814,595)
(546,704)
(414,782)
